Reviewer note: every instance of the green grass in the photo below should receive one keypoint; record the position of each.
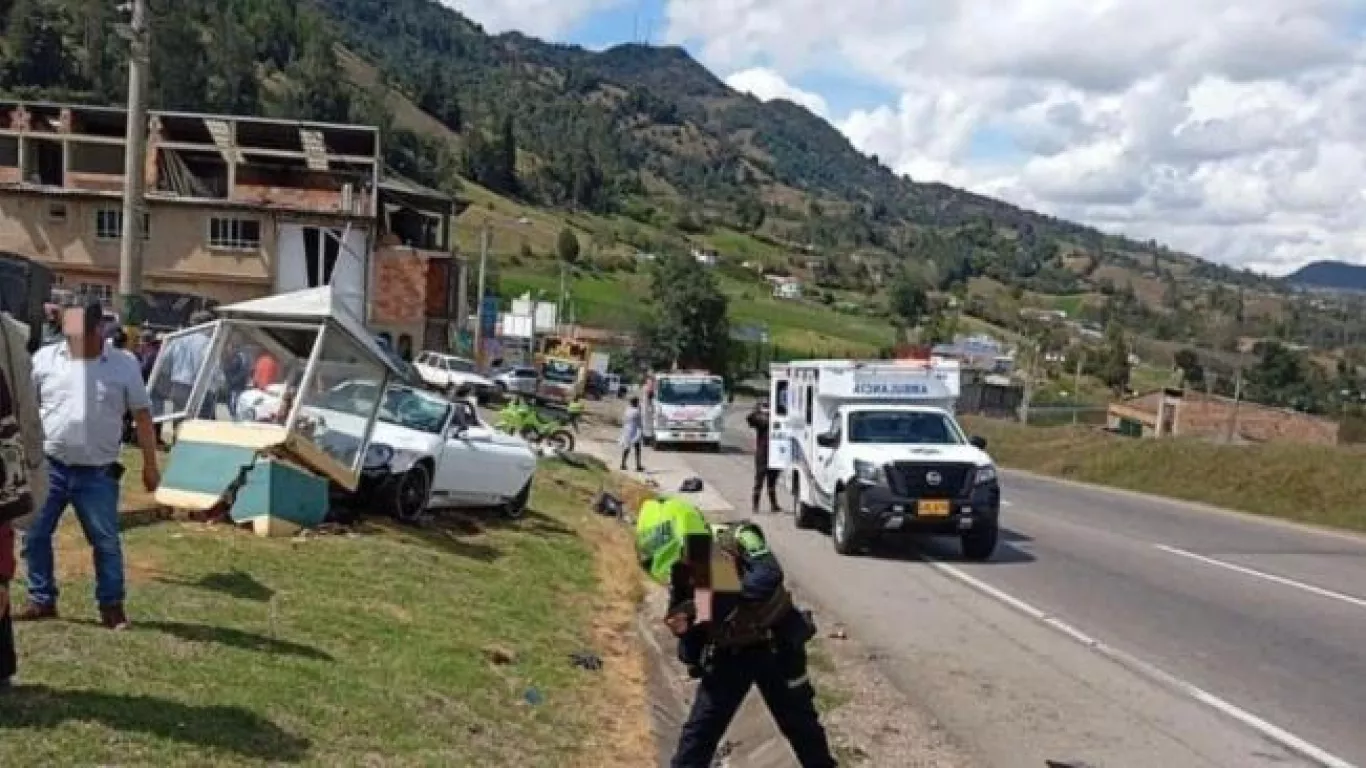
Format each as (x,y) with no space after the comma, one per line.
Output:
(1314,484)
(360,649)
(619,300)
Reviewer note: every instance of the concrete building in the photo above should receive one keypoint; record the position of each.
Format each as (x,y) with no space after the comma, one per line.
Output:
(237,207)
(789,288)
(1188,413)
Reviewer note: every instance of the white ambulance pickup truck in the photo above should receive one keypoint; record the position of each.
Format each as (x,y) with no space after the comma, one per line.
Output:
(875,448)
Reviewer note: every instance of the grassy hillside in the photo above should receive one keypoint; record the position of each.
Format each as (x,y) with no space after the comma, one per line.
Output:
(642,150)
(1313,484)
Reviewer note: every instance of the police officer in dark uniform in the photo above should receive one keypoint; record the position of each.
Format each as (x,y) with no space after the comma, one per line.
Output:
(753,637)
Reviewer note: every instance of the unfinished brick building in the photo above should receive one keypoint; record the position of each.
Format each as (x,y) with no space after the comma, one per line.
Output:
(237,207)
(1188,413)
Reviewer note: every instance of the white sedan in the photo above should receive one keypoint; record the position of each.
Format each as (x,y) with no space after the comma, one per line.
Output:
(448,371)
(426,451)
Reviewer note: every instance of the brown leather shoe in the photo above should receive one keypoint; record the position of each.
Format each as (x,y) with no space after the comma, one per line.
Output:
(36,612)
(113,617)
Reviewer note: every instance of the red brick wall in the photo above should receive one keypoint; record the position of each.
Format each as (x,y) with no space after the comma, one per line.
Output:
(400,293)
(1207,418)
(98,181)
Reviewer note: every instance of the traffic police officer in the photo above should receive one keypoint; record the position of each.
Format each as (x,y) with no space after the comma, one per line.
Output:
(755,637)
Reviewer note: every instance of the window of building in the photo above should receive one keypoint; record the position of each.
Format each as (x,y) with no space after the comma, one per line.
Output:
(56,213)
(96,292)
(109,224)
(234,234)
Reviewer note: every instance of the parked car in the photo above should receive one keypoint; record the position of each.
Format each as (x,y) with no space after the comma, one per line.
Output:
(446,372)
(517,381)
(426,451)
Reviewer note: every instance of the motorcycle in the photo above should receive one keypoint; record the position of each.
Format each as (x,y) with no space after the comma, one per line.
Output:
(524,420)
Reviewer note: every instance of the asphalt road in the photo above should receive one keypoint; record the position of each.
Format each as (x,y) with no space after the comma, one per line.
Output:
(1111,629)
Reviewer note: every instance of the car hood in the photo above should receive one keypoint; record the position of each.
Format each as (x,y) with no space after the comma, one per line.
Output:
(883,454)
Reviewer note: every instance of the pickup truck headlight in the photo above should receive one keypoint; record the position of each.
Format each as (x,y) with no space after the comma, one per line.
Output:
(869,472)
(378,456)
(985,475)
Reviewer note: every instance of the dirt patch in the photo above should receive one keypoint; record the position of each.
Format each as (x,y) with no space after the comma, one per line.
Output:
(870,722)
(625,737)
(75,560)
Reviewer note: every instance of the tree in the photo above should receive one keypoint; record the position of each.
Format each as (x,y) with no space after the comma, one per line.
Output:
(505,170)
(34,40)
(1192,372)
(568,246)
(688,324)
(908,300)
(1114,360)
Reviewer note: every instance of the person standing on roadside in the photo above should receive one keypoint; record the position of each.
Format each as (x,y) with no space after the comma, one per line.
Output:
(23,478)
(632,434)
(759,421)
(83,392)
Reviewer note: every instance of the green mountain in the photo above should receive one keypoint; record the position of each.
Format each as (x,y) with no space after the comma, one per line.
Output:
(1329,275)
(636,132)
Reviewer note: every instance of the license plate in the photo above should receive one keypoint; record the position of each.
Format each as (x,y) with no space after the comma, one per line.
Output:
(932,508)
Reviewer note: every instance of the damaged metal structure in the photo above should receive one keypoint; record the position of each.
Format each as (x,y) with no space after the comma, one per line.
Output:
(258,434)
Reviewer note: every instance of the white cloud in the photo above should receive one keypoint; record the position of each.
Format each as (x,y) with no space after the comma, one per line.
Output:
(1234,130)
(538,18)
(767,85)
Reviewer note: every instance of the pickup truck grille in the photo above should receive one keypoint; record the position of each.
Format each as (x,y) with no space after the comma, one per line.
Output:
(912,479)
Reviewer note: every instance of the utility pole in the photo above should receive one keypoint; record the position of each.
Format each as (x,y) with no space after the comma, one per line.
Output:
(560,305)
(135,153)
(1076,386)
(479,307)
(1029,383)
(1233,412)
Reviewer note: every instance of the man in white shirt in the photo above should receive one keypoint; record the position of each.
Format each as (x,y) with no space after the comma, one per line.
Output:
(84,390)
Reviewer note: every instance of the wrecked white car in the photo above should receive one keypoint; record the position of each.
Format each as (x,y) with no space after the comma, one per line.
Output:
(287,400)
(425,452)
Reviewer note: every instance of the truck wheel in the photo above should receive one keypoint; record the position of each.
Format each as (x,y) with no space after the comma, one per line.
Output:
(804,516)
(980,543)
(843,530)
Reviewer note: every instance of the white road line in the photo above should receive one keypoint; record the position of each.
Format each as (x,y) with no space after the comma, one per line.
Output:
(1268,730)
(1271,577)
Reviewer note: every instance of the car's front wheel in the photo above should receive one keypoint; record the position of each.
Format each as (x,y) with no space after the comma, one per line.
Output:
(408,492)
(515,508)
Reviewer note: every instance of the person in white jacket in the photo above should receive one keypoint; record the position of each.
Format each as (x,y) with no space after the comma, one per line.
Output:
(23,476)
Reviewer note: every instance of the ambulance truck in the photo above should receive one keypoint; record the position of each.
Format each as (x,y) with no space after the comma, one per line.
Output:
(688,408)
(874,448)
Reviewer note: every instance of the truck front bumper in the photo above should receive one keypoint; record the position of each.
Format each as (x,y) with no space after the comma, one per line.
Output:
(877,508)
(675,435)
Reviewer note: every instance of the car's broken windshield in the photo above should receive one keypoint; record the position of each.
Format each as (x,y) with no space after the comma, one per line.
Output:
(402,407)
(902,428)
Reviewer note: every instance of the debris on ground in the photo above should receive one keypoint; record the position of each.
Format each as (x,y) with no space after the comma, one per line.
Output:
(586,660)
(533,697)
(839,633)
(691,485)
(497,654)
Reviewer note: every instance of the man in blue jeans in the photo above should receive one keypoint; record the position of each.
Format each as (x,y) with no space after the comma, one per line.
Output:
(84,390)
